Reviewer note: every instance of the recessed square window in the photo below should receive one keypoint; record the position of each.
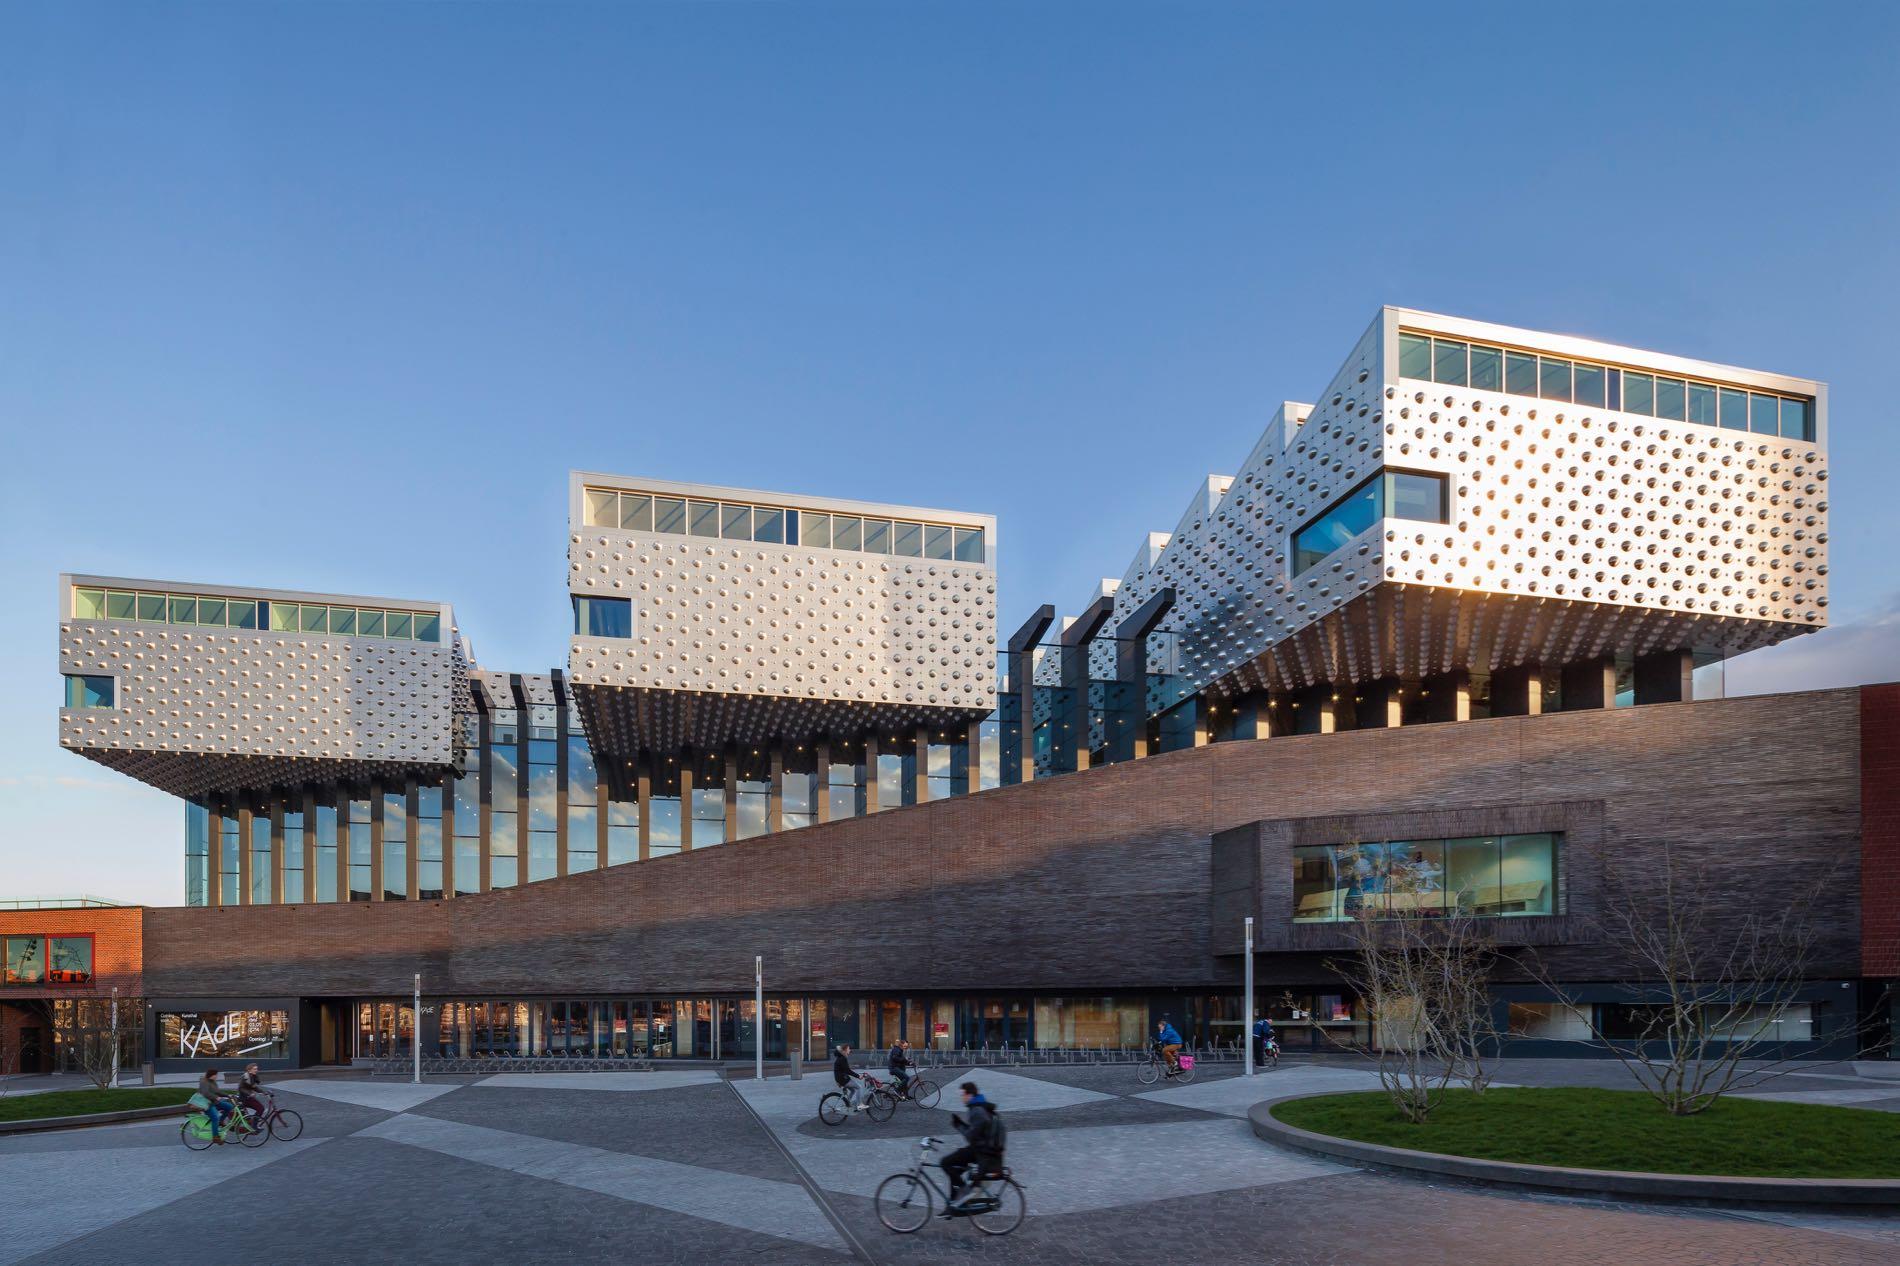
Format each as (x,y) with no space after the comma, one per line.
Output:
(669,515)
(121,605)
(241,614)
(1448,362)
(814,529)
(151,608)
(1520,374)
(283,617)
(1553,378)
(768,525)
(89,604)
(211,612)
(735,523)
(1588,384)
(370,623)
(846,533)
(1734,410)
(343,621)
(1701,404)
(1796,420)
(970,545)
(877,536)
(314,619)
(908,539)
(1671,398)
(428,628)
(182,611)
(1639,394)
(936,542)
(702,518)
(84,691)
(1415,357)
(400,624)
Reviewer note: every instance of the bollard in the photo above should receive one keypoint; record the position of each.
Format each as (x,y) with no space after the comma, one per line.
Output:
(146,1076)
(798,1062)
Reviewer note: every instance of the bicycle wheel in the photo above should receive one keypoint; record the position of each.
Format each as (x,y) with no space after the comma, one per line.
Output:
(1004,1208)
(1186,1075)
(255,1134)
(924,1093)
(883,1105)
(903,1202)
(286,1125)
(832,1110)
(1148,1072)
(191,1138)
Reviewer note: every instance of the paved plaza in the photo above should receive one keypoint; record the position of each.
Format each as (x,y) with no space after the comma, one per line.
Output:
(681,1166)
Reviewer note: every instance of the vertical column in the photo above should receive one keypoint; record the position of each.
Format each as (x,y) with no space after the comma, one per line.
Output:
(1448,696)
(732,793)
(871,804)
(1381,704)
(920,791)
(1318,710)
(560,785)
(688,757)
(643,795)
(376,841)
(775,797)
(1590,684)
(974,760)
(1665,677)
(411,854)
(244,854)
(1202,732)
(823,808)
(1518,692)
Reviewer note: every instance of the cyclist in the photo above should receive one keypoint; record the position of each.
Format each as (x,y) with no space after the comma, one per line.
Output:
(1168,1042)
(899,1064)
(847,1078)
(248,1088)
(218,1104)
(983,1144)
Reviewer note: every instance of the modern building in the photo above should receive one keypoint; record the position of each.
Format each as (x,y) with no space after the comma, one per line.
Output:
(1453,595)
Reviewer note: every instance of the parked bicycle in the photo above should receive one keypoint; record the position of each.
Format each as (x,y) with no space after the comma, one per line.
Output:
(905,1200)
(875,1099)
(918,1090)
(1156,1066)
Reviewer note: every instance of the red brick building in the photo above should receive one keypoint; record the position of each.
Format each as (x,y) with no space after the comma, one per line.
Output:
(62,963)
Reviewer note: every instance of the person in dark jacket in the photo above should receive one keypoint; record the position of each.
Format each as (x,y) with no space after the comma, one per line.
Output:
(1168,1042)
(898,1064)
(982,1144)
(843,1074)
(220,1103)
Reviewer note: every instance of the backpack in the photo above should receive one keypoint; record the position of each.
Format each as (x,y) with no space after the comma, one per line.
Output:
(999,1133)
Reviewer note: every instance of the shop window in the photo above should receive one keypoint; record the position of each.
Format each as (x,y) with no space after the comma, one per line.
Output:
(1494,876)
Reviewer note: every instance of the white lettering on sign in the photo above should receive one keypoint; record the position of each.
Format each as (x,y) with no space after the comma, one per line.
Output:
(192,1041)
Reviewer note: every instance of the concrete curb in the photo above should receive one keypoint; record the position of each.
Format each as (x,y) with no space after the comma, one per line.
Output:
(36,1124)
(1837,1193)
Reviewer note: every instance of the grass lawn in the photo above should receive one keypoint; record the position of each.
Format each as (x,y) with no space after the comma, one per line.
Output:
(72,1103)
(1622,1129)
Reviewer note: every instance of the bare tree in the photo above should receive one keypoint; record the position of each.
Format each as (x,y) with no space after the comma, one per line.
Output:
(100,1049)
(1424,974)
(1723,992)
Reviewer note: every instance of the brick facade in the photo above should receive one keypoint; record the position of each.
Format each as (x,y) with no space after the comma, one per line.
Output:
(117,960)
(1880,830)
(1103,879)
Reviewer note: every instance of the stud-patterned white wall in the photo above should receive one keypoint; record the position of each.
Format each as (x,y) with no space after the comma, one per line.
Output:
(787,621)
(1574,531)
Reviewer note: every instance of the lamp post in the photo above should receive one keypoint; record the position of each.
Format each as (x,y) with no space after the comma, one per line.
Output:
(415,1031)
(115,1037)
(758,1021)
(1249,986)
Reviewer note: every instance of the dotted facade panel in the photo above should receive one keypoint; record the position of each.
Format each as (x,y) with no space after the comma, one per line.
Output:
(787,622)
(1573,531)
(258,700)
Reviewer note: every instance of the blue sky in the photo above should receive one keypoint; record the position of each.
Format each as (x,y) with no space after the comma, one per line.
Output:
(331,296)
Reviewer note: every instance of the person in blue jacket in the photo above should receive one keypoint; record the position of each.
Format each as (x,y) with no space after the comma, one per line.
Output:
(1170,1043)
(1263,1037)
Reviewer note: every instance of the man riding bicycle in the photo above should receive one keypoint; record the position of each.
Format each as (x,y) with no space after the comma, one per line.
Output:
(249,1086)
(1168,1042)
(899,1063)
(983,1145)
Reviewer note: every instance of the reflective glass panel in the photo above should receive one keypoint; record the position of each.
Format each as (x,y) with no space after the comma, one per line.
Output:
(735,523)
(877,536)
(1639,394)
(846,533)
(1338,526)
(1487,368)
(1553,378)
(636,512)
(1764,415)
(970,545)
(343,620)
(815,529)
(768,525)
(211,612)
(428,628)
(1588,387)
(1670,399)
(121,605)
(702,518)
(241,615)
(183,611)
(89,604)
(936,542)
(399,624)
(1520,374)
(1448,362)
(1416,496)
(1794,421)
(669,515)
(1735,410)
(314,619)
(907,539)
(1701,404)
(599,508)
(152,608)
(369,623)
(1415,357)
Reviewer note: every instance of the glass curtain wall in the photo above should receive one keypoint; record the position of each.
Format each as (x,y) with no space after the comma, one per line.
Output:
(663,808)
(360,849)
(504,798)
(428,842)
(544,756)
(468,819)
(395,845)
(292,851)
(583,802)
